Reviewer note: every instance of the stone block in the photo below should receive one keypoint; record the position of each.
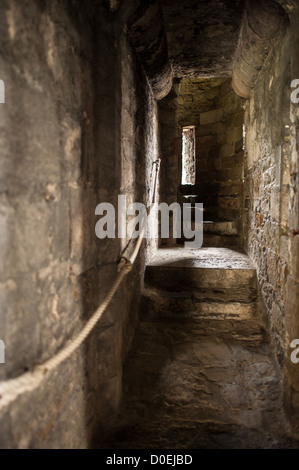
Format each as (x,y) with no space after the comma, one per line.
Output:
(206,141)
(211,116)
(227,150)
(235,134)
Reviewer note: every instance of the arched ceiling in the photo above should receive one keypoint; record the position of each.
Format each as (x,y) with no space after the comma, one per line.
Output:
(204,38)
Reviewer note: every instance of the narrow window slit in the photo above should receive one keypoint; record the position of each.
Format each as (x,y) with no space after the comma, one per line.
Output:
(188,155)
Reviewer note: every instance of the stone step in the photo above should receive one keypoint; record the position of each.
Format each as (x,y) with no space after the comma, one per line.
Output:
(220,241)
(218,295)
(220,227)
(157,304)
(248,332)
(221,234)
(196,285)
(216,227)
(182,269)
(188,278)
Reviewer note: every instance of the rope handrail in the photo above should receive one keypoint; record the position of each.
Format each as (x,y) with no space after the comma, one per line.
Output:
(12,388)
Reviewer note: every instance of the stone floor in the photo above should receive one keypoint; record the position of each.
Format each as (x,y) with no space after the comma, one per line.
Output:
(214,258)
(201,373)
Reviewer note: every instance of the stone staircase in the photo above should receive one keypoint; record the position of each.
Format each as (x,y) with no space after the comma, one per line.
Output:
(217,289)
(220,234)
(200,373)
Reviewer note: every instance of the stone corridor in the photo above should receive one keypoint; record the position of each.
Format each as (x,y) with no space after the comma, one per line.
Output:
(161,103)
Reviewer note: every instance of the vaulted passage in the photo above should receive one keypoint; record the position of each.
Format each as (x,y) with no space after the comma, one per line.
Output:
(119,329)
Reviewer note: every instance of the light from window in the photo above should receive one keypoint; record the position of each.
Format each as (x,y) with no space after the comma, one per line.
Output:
(188,155)
(244,137)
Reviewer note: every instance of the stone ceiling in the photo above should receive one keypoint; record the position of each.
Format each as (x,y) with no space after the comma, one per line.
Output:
(202,36)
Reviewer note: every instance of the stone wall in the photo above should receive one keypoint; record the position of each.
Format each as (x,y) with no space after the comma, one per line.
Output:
(271,200)
(167,108)
(78,128)
(218,116)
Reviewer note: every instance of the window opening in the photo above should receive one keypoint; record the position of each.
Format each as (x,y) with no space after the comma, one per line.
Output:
(188,155)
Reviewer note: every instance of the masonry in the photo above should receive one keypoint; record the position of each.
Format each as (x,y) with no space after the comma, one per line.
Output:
(95,95)
(78,128)
(271,199)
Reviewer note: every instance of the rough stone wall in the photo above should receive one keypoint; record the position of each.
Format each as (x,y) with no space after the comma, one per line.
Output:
(217,113)
(169,151)
(271,200)
(76,105)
